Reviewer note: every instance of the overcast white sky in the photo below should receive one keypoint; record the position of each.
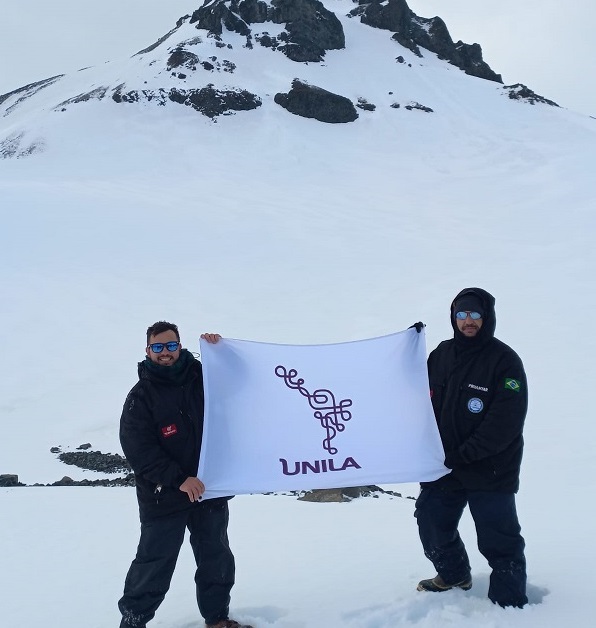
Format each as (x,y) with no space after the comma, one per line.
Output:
(547,44)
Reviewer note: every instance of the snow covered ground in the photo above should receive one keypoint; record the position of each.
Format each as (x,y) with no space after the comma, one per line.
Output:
(66,552)
(266,226)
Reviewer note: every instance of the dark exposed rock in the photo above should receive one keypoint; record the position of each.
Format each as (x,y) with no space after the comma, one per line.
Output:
(214,16)
(214,102)
(417,105)
(84,447)
(8,479)
(253,11)
(181,20)
(435,37)
(182,58)
(414,32)
(208,100)
(160,96)
(267,41)
(129,480)
(65,481)
(468,57)
(365,105)
(521,92)
(310,101)
(96,461)
(95,94)
(311,29)
(407,42)
(193,41)
(326,495)
(394,15)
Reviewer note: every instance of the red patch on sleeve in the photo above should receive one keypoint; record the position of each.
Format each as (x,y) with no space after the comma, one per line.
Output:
(169,430)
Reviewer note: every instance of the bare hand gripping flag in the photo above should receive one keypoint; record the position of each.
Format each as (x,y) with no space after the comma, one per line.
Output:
(298,417)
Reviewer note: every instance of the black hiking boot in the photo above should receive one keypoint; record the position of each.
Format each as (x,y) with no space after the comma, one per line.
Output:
(437,585)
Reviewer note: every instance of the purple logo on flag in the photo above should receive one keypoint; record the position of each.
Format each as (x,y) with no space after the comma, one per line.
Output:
(329,413)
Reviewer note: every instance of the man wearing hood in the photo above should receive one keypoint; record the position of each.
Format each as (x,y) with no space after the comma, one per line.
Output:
(161,430)
(479,396)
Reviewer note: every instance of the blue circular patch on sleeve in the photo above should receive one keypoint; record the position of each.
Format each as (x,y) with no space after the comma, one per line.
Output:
(475,405)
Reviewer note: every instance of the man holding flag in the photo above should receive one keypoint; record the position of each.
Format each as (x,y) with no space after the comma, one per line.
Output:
(480,397)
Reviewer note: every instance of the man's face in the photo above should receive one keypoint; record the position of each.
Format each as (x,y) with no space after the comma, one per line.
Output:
(165,357)
(469,327)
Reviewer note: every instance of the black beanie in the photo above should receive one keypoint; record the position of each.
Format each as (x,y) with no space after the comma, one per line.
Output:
(469,303)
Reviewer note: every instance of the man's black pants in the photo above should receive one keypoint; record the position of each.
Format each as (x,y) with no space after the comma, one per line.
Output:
(438,512)
(150,573)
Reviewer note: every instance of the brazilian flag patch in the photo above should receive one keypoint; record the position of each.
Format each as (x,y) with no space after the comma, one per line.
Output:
(512,384)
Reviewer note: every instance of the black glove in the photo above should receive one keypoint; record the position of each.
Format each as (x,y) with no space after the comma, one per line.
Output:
(419,326)
(453,459)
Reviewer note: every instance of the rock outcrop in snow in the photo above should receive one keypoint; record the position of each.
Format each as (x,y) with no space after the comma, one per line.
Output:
(309,29)
(310,101)
(414,32)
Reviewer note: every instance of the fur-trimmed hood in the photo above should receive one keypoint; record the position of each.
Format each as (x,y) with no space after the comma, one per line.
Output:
(489,320)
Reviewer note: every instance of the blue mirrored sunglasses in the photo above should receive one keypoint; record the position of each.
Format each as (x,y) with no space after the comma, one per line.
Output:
(157,347)
(463,315)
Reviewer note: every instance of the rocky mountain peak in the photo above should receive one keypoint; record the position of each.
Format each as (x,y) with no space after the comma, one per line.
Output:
(233,56)
(311,29)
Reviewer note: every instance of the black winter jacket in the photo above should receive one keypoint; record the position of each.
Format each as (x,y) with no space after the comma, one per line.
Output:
(160,432)
(480,397)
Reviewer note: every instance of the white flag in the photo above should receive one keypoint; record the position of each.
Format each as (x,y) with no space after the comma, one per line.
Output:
(299,417)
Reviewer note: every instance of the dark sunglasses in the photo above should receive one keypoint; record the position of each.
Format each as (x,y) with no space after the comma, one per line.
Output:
(463,315)
(157,347)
